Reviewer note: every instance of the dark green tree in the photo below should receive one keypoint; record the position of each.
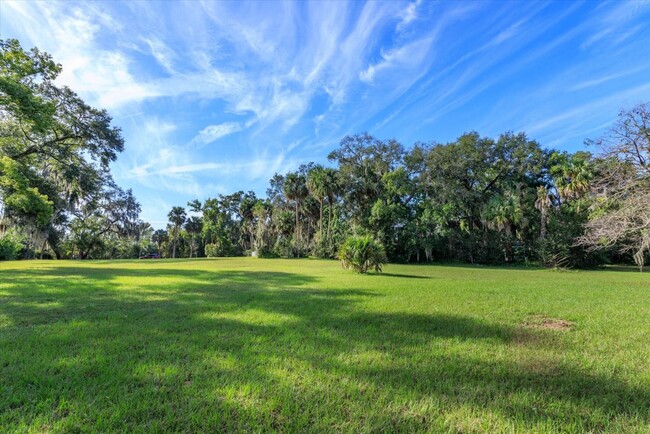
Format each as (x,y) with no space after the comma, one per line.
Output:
(176,217)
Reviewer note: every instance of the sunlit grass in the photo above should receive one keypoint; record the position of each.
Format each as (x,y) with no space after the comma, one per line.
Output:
(302,345)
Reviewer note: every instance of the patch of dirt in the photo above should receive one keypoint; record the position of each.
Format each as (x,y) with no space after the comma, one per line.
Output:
(540,322)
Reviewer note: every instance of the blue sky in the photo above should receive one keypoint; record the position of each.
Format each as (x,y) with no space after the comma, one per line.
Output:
(215,97)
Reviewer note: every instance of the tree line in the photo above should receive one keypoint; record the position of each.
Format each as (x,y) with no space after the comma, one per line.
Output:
(477,199)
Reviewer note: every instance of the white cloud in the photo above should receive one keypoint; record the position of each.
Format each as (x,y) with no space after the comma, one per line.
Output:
(214,132)
(408,15)
(409,56)
(164,55)
(69,34)
(600,80)
(615,20)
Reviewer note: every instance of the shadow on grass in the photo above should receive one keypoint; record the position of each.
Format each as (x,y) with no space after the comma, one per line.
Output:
(188,350)
(404,276)
(621,268)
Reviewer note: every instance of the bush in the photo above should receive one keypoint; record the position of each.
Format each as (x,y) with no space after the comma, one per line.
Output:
(286,247)
(220,249)
(362,253)
(212,250)
(11,244)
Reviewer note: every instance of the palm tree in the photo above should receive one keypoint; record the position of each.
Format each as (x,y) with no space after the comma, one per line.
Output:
(317,186)
(572,176)
(193,226)
(245,210)
(503,214)
(176,217)
(331,188)
(295,190)
(543,203)
(195,205)
(158,238)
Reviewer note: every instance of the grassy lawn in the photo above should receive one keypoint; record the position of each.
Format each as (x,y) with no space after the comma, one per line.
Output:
(255,345)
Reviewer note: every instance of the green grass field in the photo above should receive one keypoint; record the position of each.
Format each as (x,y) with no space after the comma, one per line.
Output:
(254,345)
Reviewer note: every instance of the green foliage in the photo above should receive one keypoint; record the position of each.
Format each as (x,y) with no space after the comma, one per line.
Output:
(219,249)
(19,72)
(362,253)
(284,247)
(19,197)
(55,152)
(11,245)
(212,250)
(100,226)
(176,217)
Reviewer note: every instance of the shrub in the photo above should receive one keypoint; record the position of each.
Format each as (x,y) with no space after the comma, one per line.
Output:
(220,249)
(212,250)
(11,244)
(362,253)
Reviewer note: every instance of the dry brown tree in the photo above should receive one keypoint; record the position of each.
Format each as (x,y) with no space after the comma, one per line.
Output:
(621,206)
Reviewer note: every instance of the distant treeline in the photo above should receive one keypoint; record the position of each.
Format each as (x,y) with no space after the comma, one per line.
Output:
(477,199)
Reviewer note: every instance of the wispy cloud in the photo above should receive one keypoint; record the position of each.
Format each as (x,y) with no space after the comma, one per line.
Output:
(604,79)
(615,20)
(212,133)
(408,56)
(164,55)
(608,103)
(408,15)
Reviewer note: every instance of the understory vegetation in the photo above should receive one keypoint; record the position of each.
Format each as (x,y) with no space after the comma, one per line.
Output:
(254,345)
(362,254)
(503,200)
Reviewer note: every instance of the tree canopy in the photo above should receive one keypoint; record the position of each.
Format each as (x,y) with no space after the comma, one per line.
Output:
(55,152)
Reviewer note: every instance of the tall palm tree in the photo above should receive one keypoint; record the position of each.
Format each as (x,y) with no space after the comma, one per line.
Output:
(193,226)
(317,186)
(296,191)
(332,189)
(543,203)
(176,217)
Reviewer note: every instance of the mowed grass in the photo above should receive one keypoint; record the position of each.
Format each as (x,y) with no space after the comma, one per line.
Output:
(253,345)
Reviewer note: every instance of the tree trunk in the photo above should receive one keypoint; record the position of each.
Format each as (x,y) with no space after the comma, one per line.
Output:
(27,246)
(297,229)
(43,249)
(329,220)
(639,259)
(174,249)
(320,222)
